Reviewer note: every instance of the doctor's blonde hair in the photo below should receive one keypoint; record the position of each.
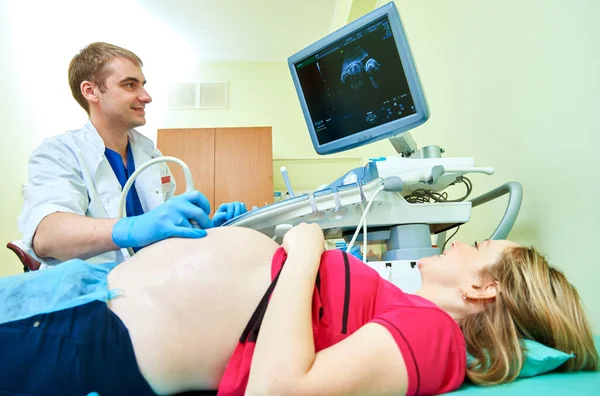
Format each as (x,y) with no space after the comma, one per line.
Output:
(535,302)
(90,65)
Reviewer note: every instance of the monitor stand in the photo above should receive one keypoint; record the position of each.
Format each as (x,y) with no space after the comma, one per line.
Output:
(406,243)
(405,145)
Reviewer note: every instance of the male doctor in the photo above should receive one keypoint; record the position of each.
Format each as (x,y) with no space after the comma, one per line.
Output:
(76,179)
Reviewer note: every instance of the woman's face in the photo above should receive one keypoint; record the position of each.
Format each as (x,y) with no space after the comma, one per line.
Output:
(462,262)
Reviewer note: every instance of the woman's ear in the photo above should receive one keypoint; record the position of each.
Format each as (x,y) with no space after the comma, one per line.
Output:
(88,90)
(487,291)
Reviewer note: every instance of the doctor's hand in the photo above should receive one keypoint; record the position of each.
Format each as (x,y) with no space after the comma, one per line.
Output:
(170,219)
(228,211)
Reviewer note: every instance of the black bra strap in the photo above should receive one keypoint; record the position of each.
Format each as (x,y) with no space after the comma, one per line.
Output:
(250,333)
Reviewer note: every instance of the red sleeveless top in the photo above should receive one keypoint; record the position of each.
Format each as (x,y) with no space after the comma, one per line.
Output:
(349,294)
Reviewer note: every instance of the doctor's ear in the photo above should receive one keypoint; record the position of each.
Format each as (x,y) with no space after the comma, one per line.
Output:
(89,90)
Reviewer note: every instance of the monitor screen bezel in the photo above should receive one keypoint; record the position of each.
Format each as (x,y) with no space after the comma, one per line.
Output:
(379,132)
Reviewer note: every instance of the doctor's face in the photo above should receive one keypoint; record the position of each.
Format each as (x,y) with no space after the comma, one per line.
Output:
(124,99)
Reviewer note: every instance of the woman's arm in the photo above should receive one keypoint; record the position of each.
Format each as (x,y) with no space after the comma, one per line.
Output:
(284,361)
(285,345)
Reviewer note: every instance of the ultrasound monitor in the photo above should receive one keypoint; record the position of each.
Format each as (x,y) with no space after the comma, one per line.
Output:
(359,84)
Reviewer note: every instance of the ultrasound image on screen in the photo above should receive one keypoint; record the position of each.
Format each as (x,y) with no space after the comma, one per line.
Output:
(355,83)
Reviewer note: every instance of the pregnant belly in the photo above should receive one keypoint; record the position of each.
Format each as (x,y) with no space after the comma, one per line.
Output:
(186,302)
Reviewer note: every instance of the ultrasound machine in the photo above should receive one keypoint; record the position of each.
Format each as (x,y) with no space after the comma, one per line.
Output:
(356,86)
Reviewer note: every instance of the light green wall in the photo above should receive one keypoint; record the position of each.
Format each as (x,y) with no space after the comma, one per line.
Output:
(13,147)
(360,8)
(514,84)
(263,94)
(259,94)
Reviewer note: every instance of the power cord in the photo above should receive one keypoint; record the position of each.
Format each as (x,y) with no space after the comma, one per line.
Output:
(364,225)
(428,196)
(450,237)
(417,196)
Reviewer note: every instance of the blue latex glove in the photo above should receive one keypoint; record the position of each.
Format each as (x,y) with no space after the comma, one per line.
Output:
(355,251)
(228,211)
(170,219)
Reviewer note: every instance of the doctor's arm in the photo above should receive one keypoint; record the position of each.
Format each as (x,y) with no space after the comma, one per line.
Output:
(284,360)
(54,221)
(63,236)
(67,235)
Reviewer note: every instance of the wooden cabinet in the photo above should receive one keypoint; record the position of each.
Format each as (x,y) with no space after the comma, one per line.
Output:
(227,164)
(195,147)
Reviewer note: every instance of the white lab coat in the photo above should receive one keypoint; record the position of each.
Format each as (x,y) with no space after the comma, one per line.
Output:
(70,173)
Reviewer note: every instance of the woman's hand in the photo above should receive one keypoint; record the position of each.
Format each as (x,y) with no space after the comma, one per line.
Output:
(286,329)
(305,238)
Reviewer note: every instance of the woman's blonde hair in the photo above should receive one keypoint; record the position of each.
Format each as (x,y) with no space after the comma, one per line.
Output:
(90,65)
(535,302)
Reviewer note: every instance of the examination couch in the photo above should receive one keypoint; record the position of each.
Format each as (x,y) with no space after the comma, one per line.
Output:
(580,383)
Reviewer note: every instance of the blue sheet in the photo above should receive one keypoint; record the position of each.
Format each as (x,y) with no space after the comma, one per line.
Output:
(72,283)
(579,383)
